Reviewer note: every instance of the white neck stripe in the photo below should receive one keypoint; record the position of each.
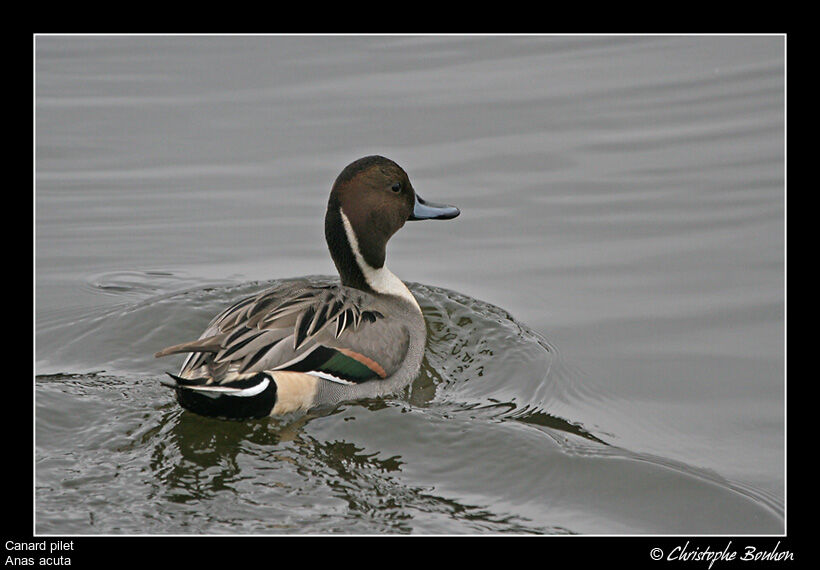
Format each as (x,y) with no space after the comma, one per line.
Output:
(381,280)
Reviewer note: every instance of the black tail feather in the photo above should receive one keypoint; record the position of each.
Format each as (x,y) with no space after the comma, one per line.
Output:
(181,382)
(227,406)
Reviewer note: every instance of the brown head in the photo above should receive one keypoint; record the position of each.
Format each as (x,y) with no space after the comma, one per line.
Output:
(370,201)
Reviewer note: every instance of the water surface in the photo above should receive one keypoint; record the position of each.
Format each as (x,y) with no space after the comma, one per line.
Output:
(606,316)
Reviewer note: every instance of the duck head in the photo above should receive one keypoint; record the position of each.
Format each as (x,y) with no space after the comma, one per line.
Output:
(369,202)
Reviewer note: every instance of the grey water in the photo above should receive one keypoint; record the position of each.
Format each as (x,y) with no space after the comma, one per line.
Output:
(606,346)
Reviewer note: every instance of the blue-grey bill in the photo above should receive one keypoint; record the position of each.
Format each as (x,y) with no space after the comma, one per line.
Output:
(424,210)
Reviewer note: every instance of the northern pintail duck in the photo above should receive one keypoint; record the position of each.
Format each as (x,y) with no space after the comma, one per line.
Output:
(300,345)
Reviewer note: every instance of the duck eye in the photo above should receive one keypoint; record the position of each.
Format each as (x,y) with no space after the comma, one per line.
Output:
(396,187)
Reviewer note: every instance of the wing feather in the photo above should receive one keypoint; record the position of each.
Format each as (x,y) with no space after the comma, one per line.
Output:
(297,327)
